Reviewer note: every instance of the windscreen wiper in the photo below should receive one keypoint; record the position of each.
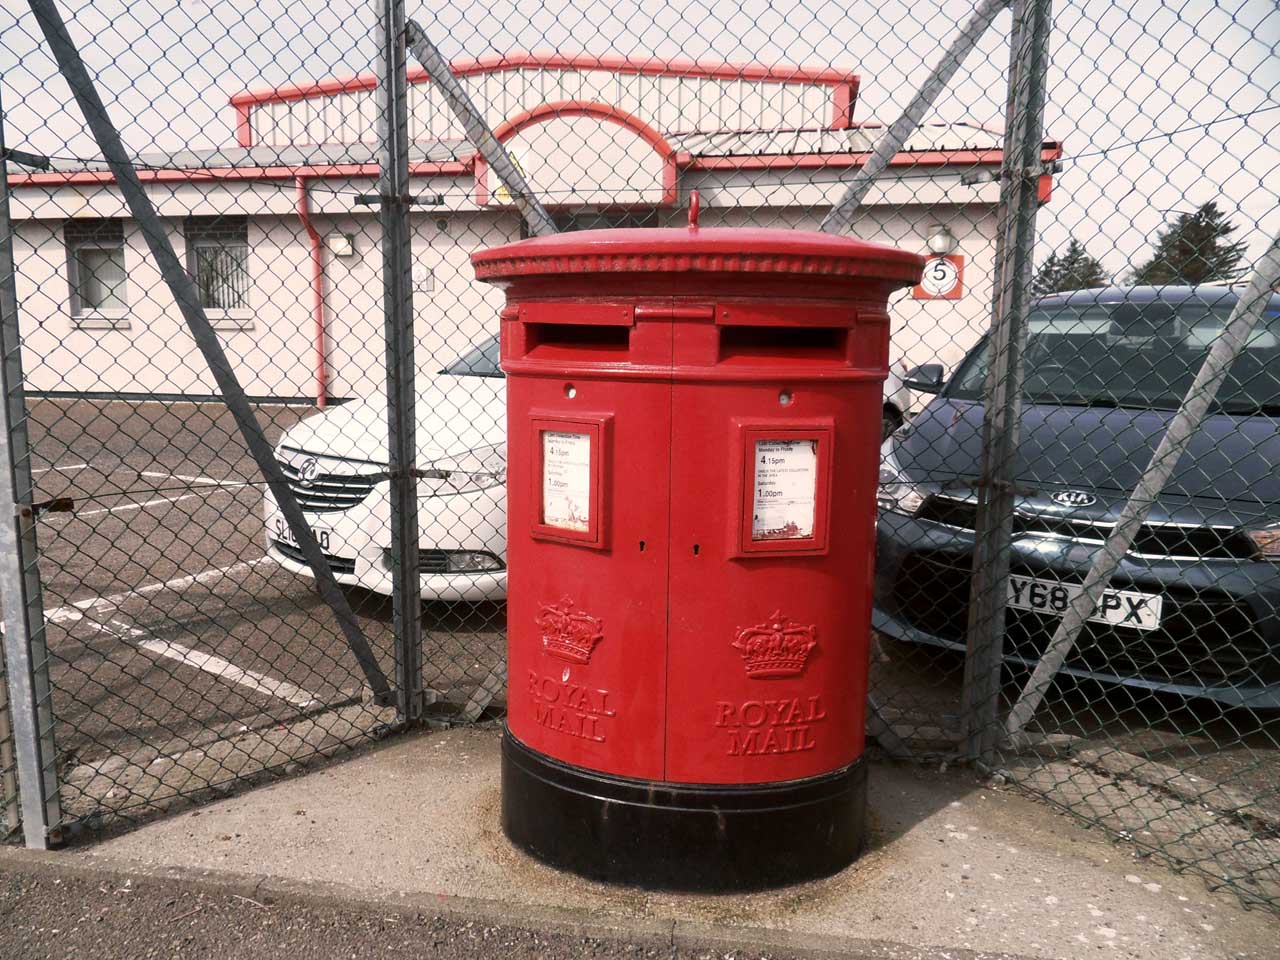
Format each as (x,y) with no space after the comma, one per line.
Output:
(1110,403)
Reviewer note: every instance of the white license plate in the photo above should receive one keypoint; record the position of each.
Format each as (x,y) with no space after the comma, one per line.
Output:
(279,530)
(1120,608)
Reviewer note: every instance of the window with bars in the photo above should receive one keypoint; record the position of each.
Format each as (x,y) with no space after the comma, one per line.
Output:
(96,271)
(218,258)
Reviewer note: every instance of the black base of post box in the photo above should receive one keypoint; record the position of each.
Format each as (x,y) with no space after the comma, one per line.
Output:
(681,836)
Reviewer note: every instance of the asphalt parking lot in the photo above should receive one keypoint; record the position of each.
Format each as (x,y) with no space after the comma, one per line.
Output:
(182,656)
(169,628)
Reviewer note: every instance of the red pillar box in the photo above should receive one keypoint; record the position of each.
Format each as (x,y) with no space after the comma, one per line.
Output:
(693,423)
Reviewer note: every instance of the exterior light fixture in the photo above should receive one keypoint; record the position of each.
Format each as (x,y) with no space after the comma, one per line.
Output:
(341,244)
(940,240)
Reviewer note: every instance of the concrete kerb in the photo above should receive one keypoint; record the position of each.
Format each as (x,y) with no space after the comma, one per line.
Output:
(581,923)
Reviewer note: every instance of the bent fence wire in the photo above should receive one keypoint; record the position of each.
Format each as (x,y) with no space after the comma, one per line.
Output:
(188,648)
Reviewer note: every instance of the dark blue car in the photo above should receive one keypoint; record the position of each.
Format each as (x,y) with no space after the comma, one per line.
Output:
(1194,609)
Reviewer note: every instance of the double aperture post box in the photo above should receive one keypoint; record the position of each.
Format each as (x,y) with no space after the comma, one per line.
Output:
(693,428)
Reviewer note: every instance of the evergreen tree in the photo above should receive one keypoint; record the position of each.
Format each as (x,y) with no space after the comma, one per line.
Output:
(1195,248)
(1074,270)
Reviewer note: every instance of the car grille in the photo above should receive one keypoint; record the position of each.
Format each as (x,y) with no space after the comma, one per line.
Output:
(330,492)
(1206,638)
(1152,540)
(339,565)
(433,561)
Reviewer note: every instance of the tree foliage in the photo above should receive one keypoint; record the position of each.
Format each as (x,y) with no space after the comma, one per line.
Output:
(1074,270)
(1194,248)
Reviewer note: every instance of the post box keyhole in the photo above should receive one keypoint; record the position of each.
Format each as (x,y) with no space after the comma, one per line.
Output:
(696,548)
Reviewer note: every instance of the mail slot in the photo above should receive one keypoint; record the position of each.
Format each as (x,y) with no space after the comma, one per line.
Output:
(693,430)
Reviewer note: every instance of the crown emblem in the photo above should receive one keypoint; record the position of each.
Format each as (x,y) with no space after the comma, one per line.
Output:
(568,633)
(779,647)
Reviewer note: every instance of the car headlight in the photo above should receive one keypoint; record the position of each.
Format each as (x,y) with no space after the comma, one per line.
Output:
(468,472)
(1267,540)
(895,492)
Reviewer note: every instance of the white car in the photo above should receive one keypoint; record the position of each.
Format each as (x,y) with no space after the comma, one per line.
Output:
(897,400)
(336,463)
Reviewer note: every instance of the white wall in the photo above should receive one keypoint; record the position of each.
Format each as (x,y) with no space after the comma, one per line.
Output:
(150,351)
(274,353)
(582,160)
(922,331)
(451,312)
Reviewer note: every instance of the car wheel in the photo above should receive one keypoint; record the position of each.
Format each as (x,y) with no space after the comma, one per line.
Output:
(890,420)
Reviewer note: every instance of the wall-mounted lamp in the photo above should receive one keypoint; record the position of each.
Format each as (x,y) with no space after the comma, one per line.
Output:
(341,244)
(940,240)
(424,278)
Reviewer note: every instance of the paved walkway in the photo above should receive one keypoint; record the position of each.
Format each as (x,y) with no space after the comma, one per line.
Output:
(953,865)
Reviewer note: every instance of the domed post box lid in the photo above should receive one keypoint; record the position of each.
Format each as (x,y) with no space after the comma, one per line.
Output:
(663,251)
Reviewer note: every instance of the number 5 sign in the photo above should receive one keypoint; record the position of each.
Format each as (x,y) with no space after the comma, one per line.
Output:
(943,279)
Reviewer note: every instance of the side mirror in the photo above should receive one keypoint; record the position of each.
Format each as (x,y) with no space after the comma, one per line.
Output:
(927,378)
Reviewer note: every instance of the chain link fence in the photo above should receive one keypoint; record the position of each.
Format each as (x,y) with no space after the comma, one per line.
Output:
(1093,184)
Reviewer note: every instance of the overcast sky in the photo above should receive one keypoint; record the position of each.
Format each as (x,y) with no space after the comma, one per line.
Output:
(1122,72)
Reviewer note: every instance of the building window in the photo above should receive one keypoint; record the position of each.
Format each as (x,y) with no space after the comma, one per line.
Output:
(96,272)
(218,259)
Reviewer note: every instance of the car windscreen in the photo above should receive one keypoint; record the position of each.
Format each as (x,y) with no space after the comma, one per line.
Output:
(1143,355)
(480,361)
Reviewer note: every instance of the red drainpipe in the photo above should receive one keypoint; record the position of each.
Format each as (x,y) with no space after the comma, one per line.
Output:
(317,289)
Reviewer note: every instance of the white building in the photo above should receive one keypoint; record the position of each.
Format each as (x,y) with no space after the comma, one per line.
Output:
(286,255)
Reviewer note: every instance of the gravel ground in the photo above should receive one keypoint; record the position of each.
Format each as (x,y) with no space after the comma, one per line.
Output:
(47,918)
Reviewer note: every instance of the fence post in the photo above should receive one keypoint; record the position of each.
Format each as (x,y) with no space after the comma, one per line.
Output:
(26,653)
(478,132)
(1015,240)
(397,303)
(840,217)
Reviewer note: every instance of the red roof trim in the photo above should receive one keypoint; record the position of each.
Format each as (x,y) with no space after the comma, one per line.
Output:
(584,108)
(244,130)
(214,174)
(808,161)
(651,66)
(935,158)
(843,96)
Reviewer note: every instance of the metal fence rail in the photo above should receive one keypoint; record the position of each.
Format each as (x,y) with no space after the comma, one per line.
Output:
(254,427)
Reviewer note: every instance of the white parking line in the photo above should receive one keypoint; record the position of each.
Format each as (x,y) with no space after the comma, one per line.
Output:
(211,664)
(67,469)
(130,506)
(187,478)
(78,609)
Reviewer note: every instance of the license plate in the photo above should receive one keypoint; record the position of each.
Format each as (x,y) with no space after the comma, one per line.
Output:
(1120,608)
(280,531)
